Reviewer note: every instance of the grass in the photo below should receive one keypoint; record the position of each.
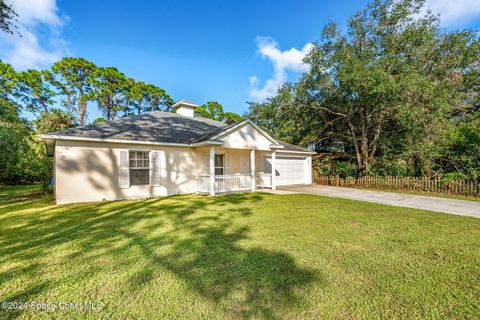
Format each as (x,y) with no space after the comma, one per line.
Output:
(19,192)
(237,256)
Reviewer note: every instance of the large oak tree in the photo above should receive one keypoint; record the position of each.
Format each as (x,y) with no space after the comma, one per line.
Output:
(392,74)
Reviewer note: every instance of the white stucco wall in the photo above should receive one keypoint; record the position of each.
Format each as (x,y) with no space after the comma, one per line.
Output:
(185,111)
(246,137)
(88,171)
(237,156)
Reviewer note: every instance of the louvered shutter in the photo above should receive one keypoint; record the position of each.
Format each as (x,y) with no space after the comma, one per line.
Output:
(155,168)
(207,163)
(228,166)
(123,172)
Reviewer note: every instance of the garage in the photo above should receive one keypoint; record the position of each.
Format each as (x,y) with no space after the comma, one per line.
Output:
(289,169)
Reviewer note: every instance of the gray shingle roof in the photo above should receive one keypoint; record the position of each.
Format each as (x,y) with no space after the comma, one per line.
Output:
(158,126)
(214,132)
(291,147)
(155,126)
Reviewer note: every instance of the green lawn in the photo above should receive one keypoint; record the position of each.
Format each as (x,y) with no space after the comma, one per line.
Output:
(19,192)
(238,256)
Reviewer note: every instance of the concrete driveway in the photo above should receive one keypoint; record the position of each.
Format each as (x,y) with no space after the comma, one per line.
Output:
(452,206)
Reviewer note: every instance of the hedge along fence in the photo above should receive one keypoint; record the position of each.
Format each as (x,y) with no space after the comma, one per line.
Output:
(425,184)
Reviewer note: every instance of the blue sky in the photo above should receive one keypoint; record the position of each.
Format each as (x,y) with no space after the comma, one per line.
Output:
(227,51)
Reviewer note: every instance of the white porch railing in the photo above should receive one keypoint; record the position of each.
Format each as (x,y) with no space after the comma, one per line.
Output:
(225,183)
(203,184)
(264,180)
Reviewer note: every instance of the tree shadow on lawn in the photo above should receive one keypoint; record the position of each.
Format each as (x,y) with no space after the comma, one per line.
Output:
(199,242)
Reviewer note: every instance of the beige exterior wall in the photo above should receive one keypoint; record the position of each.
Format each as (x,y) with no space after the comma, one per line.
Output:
(246,137)
(89,171)
(238,157)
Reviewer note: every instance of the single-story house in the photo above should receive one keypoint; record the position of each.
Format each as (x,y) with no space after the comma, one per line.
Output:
(164,153)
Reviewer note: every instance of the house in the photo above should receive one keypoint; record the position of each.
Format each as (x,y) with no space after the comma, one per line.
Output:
(163,153)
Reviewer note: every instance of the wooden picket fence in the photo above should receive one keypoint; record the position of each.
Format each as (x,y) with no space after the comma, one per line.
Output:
(423,184)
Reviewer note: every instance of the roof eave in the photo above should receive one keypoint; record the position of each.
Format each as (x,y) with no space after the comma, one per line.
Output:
(188,104)
(276,146)
(207,143)
(109,140)
(297,151)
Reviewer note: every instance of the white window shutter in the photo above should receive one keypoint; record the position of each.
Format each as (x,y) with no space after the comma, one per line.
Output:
(123,172)
(228,165)
(207,163)
(155,168)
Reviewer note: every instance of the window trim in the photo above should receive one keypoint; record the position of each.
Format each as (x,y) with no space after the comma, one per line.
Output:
(206,170)
(148,152)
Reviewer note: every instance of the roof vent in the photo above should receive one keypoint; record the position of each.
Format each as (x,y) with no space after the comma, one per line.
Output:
(185,108)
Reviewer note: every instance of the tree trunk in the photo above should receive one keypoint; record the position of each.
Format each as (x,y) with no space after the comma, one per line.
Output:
(364,154)
(154,105)
(365,122)
(109,108)
(355,143)
(82,108)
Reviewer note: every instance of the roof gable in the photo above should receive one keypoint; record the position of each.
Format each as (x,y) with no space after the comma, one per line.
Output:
(245,135)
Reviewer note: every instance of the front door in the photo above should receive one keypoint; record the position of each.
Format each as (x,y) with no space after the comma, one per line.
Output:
(244,164)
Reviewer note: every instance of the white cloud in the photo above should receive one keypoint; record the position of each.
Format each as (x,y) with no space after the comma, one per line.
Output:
(283,62)
(455,11)
(41,42)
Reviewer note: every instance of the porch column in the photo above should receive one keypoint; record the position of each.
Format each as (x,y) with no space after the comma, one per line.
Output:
(212,170)
(252,168)
(274,170)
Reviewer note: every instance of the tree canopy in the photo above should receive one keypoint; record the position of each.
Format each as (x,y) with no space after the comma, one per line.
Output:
(61,97)
(74,78)
(8,17)
(110,91)
(142,97)
(214,110)
(54,120)
(392,94)
(34,91)
(385,91)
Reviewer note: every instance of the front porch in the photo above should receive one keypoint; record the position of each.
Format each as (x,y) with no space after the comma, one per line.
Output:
(229,170)
(233,183)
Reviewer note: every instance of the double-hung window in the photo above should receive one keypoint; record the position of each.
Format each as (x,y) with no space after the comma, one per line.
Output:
(221,164)
(139,168)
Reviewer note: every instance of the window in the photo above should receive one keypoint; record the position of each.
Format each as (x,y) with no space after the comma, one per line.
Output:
(219,164)
(139,168)
(267,164)
(222,164)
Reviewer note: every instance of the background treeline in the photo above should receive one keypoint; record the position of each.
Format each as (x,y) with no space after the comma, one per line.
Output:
(61,97)
(392,95)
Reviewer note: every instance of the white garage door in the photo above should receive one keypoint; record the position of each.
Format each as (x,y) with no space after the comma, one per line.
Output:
(290,170)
